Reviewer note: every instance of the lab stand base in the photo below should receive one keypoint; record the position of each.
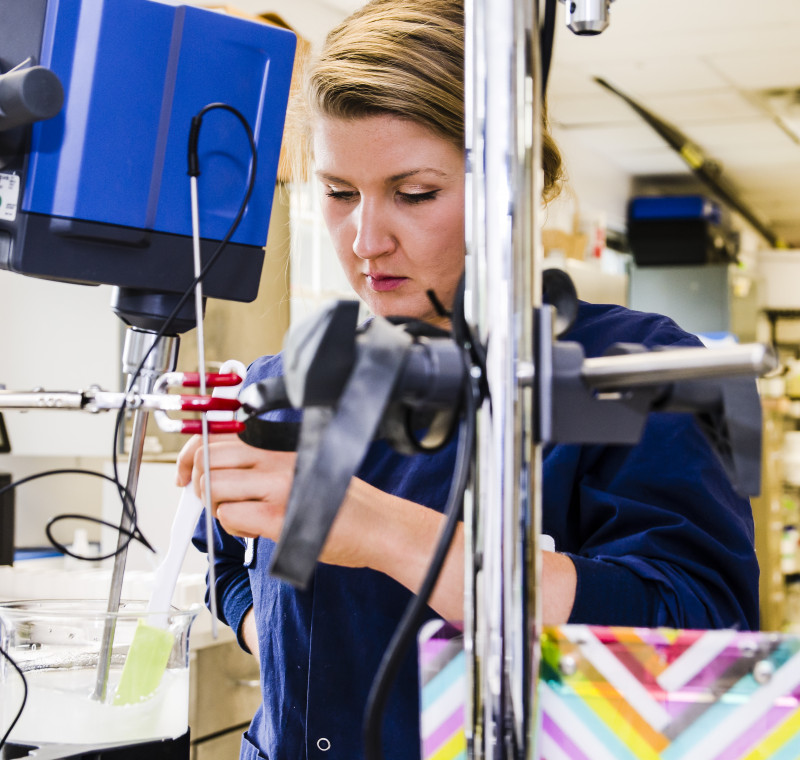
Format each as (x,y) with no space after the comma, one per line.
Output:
(166,749)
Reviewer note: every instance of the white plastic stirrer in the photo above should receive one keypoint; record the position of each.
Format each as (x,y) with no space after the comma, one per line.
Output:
(188,513)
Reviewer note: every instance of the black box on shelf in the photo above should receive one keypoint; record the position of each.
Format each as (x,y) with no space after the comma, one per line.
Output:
(679,231)
(6,521)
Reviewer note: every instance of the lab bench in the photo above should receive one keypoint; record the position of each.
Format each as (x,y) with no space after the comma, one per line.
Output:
(224,688)
(224,694)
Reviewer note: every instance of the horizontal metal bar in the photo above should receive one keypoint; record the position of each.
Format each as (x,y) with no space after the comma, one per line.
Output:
(96,400)
(655,367)
(42,400)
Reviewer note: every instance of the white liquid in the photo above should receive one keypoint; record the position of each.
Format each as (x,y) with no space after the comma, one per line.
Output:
(60,709)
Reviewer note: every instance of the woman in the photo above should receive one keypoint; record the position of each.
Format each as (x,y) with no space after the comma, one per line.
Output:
(647,535)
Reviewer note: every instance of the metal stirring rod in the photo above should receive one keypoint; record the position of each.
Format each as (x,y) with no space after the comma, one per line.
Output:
(138,344)
(201,362)
(137,447)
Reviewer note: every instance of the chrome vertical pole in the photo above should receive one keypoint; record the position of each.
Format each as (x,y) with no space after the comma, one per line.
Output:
(159,359)
(504,286)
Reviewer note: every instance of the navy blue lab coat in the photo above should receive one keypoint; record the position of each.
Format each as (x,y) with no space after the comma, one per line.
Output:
(657,534)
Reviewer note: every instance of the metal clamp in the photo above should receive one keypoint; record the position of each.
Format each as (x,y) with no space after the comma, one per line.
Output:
(160,401)
(195,403)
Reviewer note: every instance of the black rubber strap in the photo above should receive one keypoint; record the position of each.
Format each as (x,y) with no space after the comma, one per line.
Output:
(332,448)
(268,434)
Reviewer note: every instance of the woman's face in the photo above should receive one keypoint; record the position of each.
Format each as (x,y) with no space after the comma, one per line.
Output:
(393,201)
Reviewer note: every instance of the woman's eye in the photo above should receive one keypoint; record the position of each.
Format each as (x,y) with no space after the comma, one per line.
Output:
(341,195)
(418,197)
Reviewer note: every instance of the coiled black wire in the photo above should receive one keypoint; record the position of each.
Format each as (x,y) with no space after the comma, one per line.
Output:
(126,498)
(128,502)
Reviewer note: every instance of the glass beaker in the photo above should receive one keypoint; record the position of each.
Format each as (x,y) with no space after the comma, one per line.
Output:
(56,644)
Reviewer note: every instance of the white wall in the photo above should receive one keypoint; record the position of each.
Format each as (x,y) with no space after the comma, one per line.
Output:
(598,186)
(56,336)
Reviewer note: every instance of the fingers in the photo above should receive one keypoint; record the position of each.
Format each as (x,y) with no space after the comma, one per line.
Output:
(246,484)
(229,451)
(183,476)
(249,487)
(250,502)
(191,456)
(249,519)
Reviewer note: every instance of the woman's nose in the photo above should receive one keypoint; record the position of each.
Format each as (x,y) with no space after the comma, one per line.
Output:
(373,235)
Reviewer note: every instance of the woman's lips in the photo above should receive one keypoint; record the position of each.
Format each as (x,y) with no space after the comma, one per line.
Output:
(382,283)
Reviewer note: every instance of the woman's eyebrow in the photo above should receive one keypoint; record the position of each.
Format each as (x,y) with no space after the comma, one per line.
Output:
(413,172)
(331,178)
(394,178)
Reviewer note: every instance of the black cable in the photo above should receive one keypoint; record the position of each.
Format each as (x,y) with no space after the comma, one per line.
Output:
(16,667)
(546,36)
(406,630)
(193,171)
(126,498)
(128,502)
(465,336)
(415,611)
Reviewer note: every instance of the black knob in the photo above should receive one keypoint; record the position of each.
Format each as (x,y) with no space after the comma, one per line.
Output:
(29,95)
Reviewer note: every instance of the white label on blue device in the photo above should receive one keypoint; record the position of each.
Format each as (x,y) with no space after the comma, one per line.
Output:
(9,196)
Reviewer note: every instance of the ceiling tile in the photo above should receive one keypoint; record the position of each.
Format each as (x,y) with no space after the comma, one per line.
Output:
(600,107)
(659,74)
(652,162)
(719,104)
(778,179)
(775,66)
(569,79)
(613,139)
(755,133)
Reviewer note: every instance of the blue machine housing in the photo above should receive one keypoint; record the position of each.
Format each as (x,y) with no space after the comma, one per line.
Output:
(104,185)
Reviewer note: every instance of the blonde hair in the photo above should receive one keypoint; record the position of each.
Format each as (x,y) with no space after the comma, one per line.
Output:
(398,57)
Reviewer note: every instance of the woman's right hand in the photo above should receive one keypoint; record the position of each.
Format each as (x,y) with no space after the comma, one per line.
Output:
(250,487)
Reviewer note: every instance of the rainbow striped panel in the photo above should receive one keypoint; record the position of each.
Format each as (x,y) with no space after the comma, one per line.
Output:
(634,694)
(658,694)
(443,690)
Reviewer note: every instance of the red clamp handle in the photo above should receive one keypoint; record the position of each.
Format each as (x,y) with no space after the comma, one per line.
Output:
(195,427)
(209,404)
(213,380)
